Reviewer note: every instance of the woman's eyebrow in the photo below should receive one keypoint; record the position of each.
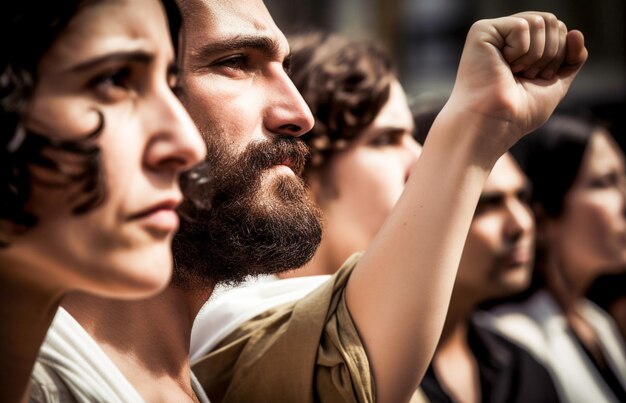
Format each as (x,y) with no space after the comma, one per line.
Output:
(136,56)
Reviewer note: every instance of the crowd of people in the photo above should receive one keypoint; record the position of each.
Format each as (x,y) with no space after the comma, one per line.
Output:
(198,208)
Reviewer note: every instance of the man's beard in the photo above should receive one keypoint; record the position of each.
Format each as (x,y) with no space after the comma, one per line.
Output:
(237,223)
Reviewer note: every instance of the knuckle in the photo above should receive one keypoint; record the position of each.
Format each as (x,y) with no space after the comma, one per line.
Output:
(536,21)
(550,19)
(519,24)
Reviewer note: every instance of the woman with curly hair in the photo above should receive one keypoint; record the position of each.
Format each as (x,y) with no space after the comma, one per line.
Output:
(362,140)
(92,143)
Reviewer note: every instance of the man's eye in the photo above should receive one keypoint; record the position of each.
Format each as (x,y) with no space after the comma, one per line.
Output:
(238,62)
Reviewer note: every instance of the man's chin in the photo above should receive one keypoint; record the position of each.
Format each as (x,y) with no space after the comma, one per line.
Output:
(261,220)
(257,235)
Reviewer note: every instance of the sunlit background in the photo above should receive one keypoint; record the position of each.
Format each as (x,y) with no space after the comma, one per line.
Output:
(426,38)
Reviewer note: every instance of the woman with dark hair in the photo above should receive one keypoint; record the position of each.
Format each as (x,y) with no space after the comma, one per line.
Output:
(92,142)
(578,175)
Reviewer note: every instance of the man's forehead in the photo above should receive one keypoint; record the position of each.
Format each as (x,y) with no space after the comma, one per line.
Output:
(218,20)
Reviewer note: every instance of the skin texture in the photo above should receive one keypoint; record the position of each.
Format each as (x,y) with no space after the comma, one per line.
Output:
(239,80)
(116,58)
(236,81)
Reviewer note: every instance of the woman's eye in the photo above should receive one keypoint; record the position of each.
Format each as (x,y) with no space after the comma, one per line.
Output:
(112,84)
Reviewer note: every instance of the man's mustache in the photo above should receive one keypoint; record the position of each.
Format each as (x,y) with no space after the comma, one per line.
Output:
(289,151)
(223,176)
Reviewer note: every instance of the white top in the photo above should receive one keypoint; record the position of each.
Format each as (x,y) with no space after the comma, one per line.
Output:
(539,325)
(230,307)
(71,366)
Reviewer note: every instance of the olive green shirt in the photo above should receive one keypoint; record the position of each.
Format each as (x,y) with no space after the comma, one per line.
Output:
(305,351)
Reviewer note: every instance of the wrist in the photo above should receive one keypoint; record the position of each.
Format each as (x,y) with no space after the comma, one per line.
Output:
(471,136)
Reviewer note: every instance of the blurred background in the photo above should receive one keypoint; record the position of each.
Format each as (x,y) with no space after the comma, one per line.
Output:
(427,36)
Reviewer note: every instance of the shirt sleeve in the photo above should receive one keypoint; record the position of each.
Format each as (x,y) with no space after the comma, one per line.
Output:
(305,351)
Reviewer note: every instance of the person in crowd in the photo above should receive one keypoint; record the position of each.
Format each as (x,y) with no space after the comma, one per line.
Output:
(93,141)
(472,362)
(335,343)
(578,176)
(362,154)
(261,221)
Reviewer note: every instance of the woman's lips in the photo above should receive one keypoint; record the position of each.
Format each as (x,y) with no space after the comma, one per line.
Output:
(162,217)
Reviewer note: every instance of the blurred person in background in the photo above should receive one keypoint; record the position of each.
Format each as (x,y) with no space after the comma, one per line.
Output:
(472,362)
(579,198)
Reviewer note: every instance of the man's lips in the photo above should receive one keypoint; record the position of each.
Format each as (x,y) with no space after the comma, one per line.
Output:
(518,256)
(289,163)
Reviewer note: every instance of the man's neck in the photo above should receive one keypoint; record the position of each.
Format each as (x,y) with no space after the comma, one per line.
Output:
(461,308)
(148,340)
(454,362)
(327,259)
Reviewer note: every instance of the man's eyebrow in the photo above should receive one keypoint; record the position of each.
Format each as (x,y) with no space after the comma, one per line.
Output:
(131,56)
(266,45)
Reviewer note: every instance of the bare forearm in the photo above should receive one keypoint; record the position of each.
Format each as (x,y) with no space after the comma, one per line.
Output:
(427,229)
